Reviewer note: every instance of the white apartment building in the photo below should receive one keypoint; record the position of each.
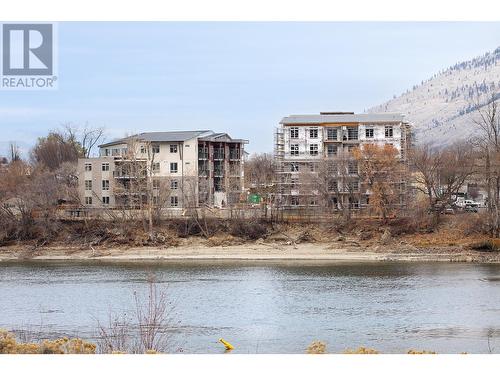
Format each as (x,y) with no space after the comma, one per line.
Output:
(181,168)
(303,141)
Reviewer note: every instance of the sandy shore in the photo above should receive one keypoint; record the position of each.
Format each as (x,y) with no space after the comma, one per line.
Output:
(317,252)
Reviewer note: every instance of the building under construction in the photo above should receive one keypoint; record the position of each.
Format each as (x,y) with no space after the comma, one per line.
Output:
(304,143)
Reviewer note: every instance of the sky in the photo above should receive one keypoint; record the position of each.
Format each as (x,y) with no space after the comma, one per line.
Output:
(239,78)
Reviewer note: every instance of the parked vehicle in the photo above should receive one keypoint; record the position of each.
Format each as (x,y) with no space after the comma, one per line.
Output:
(448,210)
(470,209)
(466,203)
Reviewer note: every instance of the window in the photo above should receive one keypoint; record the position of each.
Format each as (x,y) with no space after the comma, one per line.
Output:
(156,184)
(174,184)
(313,150)
(294,167)
(331,134)
(173,149)
(115,152)
(88,184)
(105,167)
(88,167)
(105,200)
(312,167)
(294,182)
(313,202)
(294,133)
(353,203)
(352,133)
(106,152)
(174,201)
(155,149)
(156,167)
(333,185)
(369,132)
(313,133)
(88,200)
(352,167)
(294,201)
(294,149)
(173,167)
(331,150)
(143,149)
(350,148)
(155,200)
(105,184)
(351,186)
(389,131)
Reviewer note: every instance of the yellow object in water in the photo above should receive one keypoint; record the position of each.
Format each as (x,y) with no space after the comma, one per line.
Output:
(226,344)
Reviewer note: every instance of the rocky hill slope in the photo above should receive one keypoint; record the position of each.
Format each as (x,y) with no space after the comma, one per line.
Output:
(443,107)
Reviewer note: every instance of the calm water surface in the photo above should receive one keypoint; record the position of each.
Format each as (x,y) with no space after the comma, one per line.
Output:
(263,308)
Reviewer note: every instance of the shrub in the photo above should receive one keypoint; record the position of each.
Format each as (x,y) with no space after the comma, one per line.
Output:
(487,245)
(9,345)
(413,351)
(361,350)
(316,347)
(249,229)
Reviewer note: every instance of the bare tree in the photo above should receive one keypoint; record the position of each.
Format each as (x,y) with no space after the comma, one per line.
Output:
(441,173)
(149,329)
(487,142)
(56,148)
(381,173)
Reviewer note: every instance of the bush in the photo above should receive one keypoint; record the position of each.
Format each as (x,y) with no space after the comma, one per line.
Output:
(488,245)
(249,229)
(361,350)
(316,347)
(9,345)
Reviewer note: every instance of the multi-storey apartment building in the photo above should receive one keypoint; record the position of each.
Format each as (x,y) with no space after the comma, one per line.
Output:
(305,142)
(176,169)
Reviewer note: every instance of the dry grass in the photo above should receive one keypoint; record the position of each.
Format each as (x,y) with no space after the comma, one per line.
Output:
(361,350)
(316,347)
(9,345)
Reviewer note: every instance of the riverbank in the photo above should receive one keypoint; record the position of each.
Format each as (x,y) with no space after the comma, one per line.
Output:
(257,251)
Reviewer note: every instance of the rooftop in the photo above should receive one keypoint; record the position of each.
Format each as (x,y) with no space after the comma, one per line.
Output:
(174,136)
(339,117)
(221,137)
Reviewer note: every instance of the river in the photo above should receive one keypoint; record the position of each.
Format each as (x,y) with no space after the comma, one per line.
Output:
(269,308)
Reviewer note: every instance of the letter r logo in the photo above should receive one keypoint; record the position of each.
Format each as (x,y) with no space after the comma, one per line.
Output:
(27,49)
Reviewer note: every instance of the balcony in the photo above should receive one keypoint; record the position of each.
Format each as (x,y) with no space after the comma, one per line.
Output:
(203,154)
(218,172)
(219,154)
(234,155)
(125,174)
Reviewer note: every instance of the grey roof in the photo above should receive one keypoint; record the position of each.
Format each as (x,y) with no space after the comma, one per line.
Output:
(221,137)
(344,118)
(175,136)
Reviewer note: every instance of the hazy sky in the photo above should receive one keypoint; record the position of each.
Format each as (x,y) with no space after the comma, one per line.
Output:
(240,78)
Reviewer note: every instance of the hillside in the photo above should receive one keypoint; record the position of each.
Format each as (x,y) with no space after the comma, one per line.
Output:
(442,108)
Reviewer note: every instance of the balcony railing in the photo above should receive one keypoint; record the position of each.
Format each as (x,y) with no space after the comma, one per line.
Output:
(203,173)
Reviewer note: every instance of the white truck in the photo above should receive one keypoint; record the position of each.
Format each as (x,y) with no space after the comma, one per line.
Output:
(466,203)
